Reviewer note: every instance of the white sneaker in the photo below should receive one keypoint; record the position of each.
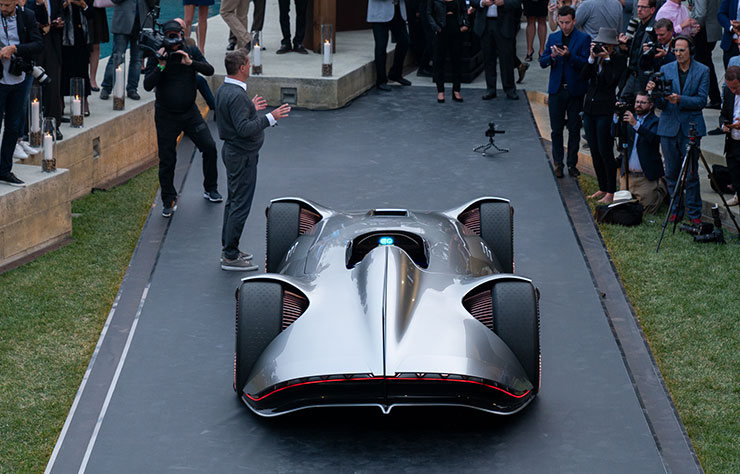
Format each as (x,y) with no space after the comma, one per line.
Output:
(29,149)
(19,153)
(733,201)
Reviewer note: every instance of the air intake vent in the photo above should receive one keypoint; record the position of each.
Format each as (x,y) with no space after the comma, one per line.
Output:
(294,305)
(480,306)
(471,220)
(389,212)
(307,220)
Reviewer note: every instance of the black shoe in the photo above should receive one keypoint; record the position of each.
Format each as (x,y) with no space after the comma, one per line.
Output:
(59,135)
(400,80)
(573,171)
(424,72)
(384,87)
(440,101)
(12,180)
(283,49)
(715,105)
(169,209)
(559,171)
(456,98)
(133,95)
(489,96)
(512,95)
(65,119)
(213,196)
(522,70)
(231,46)
(716,131)
(300,49)
(104,94)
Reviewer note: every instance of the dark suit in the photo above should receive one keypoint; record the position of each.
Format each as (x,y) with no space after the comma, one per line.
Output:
(732,147)
(727,11)
(51,60)
(648,146)
(498,38)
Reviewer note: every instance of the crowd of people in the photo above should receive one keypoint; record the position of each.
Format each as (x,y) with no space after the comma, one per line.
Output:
(611,63)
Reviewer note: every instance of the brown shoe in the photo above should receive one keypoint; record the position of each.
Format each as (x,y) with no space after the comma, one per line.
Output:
(522,70)
(559,171)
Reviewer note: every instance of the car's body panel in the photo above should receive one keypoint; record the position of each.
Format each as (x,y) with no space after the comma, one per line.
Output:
(386,331)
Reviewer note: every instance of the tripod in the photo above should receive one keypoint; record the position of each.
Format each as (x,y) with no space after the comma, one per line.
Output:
(487,146)
(691,151)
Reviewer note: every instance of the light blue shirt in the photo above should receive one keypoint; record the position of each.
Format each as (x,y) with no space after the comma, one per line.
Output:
(9,36)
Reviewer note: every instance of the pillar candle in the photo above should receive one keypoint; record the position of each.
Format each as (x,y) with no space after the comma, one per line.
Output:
(48,147)
(327,52)
(118,91)
(76,106)
(35,114)
(257,55)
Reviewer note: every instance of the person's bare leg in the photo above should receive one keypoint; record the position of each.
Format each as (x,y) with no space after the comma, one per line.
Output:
(202,27)
(530,35)
(542,32)
(94,59)
(189,14)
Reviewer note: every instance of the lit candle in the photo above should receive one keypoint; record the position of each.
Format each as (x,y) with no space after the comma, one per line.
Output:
(35,114)
(48,147)
(76,106)
(327,52)
(118,92)
(257,55)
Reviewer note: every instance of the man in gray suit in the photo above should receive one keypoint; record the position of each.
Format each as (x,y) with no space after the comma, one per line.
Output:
(496,24)
(385,16)
(243,131)
(128,19)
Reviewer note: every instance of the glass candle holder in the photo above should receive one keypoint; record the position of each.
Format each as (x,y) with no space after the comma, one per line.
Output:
(327,50)
(35,119)
(119,85)
(49,163)
(76,101)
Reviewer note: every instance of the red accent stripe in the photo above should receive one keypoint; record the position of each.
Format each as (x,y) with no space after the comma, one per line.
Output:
(390,379)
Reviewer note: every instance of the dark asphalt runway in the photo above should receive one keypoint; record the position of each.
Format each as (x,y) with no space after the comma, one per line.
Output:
(173,408)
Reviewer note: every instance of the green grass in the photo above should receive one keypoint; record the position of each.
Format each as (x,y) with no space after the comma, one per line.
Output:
(687,298)
(51,313)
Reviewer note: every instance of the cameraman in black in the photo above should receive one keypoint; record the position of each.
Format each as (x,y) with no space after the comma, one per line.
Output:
(642,172)
(632,45)
(173,73)
(20,41)
(655,51)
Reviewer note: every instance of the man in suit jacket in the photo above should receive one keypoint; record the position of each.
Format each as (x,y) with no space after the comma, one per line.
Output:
(643,169)
(496,24)
(385,16)
(128,19)
(681,110)
(730,117)
(566,53)
(243,131)
(727,16)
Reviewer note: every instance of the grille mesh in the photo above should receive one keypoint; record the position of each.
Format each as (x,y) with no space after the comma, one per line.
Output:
(307,220)
(480,306)
(471,220)
(293,306)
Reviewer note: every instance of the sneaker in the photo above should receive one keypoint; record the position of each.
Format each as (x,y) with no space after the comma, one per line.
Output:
(733,201)
(559,171)
(167,211)
(238,265)
(573,171)
(18,153)
(12,180)
(242,255)
(29,149)
(213,196)
(696,222)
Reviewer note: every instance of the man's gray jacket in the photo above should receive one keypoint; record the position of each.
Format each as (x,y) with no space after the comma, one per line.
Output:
(124,14)
(382,11)
(239,125)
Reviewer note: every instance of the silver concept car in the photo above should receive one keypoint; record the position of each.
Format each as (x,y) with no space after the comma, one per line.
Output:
(387,307)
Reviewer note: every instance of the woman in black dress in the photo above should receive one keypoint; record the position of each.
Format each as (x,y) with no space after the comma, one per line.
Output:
(449,20)
(536,13)
(76,45)
(98,25)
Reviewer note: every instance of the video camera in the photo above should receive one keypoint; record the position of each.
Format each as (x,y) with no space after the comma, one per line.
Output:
(491,132)
(707,232)
(152,39)
(663,87)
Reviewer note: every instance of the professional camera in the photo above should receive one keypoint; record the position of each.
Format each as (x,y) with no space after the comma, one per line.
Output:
(599,48)
(621,107)
(716,235)
(663,87)
(19,65)
(491,132)
(632,27)
(152,38)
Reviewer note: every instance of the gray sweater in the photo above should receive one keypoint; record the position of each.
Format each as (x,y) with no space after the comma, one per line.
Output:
(594,14)
(239,125)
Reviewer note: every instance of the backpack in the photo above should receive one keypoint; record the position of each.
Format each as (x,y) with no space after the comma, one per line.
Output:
(624,213)
(724,180)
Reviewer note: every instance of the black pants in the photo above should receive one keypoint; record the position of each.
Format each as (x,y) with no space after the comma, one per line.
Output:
(496,48)
(241,178)
(169,126)
(51,61)
(601,143)
(704,55)
(300,21)
(449,39)
(732,156)
(565,110)
(380,32)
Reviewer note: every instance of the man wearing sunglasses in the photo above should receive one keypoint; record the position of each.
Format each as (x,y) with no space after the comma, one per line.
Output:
(173,73)
(682,110)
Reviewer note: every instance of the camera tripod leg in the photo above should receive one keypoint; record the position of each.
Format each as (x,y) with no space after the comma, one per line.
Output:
(482,148)
(721,196)
(677,193)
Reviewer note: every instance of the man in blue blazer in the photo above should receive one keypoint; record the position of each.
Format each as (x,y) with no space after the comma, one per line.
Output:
(727,16)
(385,16)
(566,53)
(642,172)
(681,110)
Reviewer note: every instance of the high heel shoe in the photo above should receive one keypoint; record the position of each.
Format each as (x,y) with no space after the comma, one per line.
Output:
(441,100)
(528,58)
(457,97)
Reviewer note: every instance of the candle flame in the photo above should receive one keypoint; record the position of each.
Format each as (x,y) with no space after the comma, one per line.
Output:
(35,100)
(77,97)
(326,41)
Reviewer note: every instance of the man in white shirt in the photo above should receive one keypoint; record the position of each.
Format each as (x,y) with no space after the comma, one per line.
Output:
(730,117)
